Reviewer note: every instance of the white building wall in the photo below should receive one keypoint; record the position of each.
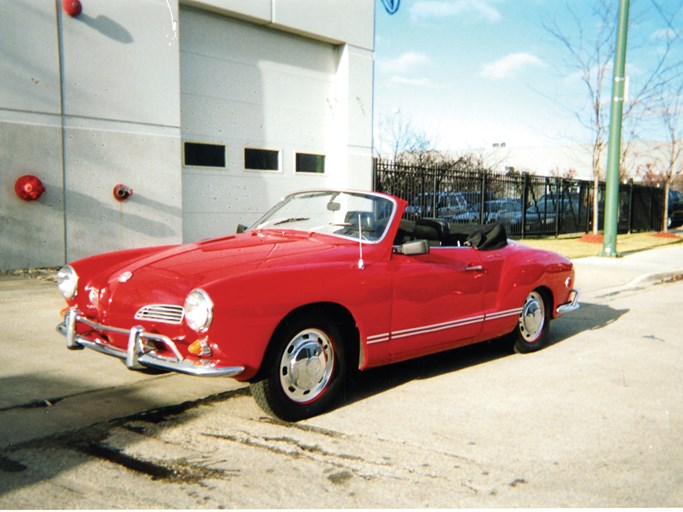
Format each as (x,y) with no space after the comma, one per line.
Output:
(92,101)
(30,134)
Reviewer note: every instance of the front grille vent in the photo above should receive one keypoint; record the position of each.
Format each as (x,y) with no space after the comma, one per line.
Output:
(165,313)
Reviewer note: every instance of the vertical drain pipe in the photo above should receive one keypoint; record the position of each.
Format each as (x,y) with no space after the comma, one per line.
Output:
(60,63)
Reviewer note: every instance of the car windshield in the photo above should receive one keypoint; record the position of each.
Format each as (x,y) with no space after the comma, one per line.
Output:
(356,215)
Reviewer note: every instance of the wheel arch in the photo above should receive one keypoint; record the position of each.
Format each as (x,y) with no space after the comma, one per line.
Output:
(549,299)
(334,312)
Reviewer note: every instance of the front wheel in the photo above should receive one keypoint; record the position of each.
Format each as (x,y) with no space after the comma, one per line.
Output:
(306,370)
(532,327)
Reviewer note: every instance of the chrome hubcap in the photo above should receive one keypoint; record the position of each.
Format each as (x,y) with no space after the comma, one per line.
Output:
(532,319)
(306,365)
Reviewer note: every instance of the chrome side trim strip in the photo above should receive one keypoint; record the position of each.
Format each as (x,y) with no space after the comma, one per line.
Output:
(404,333)
(426,329)
(378,338)
(504,314)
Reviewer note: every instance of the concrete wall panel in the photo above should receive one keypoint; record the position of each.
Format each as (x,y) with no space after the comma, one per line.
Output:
(121,62)
(255,11)
(348,21)
(351,21)
(360,72)
(30,58)
(97,161)
(31,233)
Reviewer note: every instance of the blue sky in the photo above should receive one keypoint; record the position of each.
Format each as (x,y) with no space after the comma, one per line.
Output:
(471,73)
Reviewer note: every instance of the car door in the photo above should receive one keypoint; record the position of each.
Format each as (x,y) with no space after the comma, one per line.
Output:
(437,300)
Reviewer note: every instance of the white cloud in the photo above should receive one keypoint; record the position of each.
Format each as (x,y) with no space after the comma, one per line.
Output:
(508,65)
(427,9)
(405,63)
(664,34)
(410,82)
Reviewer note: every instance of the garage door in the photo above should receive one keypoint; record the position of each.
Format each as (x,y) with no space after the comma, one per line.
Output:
(257,115)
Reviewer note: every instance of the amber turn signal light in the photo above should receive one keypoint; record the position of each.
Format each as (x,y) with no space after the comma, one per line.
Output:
(199,348)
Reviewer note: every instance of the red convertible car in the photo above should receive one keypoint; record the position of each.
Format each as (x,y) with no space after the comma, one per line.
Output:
(326,282)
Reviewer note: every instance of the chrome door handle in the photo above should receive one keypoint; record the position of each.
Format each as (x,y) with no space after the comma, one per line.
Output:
(476,268)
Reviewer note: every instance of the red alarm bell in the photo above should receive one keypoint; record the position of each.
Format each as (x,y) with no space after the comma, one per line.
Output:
(72,7)
(122,192)
(29,187)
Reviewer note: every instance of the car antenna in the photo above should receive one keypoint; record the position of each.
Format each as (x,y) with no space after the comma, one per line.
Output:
(361,263)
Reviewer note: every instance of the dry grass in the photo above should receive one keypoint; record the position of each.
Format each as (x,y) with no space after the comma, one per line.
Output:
(579,247)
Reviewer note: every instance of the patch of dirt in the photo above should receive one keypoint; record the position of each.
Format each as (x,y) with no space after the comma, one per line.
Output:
(592,238)
(42,274)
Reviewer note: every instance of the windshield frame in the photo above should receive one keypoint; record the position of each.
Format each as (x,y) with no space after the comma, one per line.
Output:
(271,221)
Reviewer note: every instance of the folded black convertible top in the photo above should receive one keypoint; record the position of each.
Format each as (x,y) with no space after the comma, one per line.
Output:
(485,237)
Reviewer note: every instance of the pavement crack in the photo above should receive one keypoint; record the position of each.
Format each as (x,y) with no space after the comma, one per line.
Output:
(179,470)
(35,404)
(286,446)
(304,428)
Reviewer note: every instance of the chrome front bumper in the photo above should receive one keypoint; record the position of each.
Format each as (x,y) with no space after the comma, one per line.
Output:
(137,356)
(570,306)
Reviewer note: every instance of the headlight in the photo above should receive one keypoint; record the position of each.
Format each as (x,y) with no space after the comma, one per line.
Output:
(67,282)
(198,310)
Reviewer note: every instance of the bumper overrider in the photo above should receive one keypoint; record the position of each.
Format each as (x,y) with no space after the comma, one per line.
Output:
(137,355)
(571,305)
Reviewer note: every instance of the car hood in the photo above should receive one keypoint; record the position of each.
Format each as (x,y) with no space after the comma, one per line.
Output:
(122,285)
(166,277)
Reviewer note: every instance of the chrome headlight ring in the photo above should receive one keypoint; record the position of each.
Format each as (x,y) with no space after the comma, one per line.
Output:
(198,310)
(67,282)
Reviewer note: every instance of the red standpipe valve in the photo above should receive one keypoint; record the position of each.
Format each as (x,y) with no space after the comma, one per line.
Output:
(122,192)
(29,187)
(72,7)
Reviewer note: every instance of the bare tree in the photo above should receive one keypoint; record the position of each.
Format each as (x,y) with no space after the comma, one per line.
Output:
(591,55)
(671,105)
(398,138)
(668,105)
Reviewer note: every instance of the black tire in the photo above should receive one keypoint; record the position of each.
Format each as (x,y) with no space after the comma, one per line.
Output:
(531,331)
(305,343)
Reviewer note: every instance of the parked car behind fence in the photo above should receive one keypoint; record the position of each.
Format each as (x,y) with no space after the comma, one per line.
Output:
(495,210)
(551,205)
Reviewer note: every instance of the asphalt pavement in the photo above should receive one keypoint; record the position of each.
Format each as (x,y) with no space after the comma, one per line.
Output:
(45,389)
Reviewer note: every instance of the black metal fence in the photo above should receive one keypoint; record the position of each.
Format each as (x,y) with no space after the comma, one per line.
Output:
(528,206)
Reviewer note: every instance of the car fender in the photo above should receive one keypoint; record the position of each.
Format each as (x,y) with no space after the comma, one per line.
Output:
(249,309)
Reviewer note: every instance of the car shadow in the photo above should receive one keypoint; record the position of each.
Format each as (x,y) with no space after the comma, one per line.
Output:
(372,382)
(20,465)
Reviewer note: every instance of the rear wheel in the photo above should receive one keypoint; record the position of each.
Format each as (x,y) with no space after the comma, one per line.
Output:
(531,331)
(306,370)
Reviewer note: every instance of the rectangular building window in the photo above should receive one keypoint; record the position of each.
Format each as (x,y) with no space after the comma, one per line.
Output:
(306,162)
(261,159)
(204,155)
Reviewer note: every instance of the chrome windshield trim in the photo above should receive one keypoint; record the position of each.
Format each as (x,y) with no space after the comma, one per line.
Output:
(315,192)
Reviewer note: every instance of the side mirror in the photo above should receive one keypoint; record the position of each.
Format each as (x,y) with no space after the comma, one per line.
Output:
(241,228)
(413,248)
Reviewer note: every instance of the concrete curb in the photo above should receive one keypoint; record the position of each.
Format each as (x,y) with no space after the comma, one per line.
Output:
(640,282)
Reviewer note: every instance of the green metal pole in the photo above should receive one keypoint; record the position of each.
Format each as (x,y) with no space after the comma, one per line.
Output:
(609,246)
